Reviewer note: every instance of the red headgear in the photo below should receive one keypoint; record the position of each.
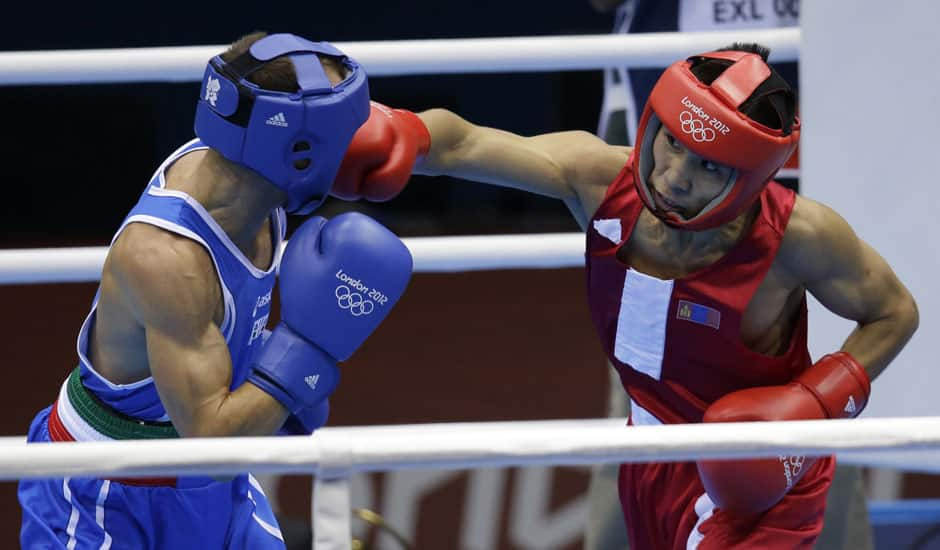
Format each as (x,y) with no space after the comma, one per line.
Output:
(706,120)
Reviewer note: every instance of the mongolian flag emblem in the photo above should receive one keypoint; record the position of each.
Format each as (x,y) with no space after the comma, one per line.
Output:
(698,313)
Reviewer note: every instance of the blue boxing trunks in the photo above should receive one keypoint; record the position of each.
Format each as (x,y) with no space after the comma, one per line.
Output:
(164,513)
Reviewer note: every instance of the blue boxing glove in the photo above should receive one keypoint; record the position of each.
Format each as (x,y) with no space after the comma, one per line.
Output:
(306,420)
(338,281)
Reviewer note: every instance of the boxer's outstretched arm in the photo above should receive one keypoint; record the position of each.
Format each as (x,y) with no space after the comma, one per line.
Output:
(576,167)
(853,281)
(172,288)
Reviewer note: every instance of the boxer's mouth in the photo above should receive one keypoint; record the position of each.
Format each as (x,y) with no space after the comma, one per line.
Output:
(665,204)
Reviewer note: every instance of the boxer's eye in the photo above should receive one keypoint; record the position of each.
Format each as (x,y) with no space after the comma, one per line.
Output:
(673,142)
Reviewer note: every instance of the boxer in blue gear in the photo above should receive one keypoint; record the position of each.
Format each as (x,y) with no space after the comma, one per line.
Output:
(177,326)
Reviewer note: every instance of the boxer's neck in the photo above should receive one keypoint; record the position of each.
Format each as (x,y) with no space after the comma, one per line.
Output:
(683,243)
(238,199)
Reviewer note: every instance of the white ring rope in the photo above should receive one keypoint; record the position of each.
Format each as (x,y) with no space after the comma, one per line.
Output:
(470,445)
(400,57)
(431,254)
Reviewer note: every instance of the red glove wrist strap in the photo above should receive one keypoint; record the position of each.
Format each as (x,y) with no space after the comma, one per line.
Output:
(420,131)
(840,384)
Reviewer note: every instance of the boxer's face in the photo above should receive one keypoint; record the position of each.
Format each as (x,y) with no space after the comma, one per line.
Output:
(682,181)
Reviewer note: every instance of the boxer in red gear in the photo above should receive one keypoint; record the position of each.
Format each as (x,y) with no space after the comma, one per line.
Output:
(698,266)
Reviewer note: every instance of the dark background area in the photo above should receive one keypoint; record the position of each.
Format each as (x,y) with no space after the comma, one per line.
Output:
(76,157)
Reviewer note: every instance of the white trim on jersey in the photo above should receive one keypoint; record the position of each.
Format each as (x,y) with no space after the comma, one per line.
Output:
(610,228)
(280,227)
(642,417)
(174,156)
(82,344)
(279,216)
(641,324)
(220,233)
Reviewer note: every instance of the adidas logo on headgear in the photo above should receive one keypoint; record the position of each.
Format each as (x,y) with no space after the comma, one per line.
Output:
(312,380)
(277,120)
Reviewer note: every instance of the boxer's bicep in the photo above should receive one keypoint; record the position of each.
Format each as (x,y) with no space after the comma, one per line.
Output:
(192,374)
(172,288)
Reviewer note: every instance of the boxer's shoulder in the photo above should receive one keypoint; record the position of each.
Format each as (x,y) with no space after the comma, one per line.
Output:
(815,237)
(159,274)
(595,166)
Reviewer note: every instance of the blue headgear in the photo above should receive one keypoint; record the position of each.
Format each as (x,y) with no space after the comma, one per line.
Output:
(294,139)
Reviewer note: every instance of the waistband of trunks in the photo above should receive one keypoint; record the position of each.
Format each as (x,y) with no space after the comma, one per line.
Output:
(109,422)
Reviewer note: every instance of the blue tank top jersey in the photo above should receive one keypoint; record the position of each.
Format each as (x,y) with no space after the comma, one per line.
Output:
(246,290)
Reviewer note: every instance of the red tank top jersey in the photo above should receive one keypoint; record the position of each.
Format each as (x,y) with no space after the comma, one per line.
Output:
(677,343)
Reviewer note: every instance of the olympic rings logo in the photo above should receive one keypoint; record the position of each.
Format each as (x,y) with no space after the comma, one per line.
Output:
(696,128)
(792,466)
(353,301)
(797,463)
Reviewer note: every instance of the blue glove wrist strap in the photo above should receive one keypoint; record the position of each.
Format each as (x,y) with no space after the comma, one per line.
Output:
(294,371)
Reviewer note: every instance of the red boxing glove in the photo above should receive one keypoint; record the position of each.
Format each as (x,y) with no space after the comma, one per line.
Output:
(837,386)
(381,155)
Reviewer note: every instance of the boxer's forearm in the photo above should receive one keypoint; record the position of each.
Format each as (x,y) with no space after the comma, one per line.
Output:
(465,150)
(875,344)
(449,133)
(560,165)
(247,411)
